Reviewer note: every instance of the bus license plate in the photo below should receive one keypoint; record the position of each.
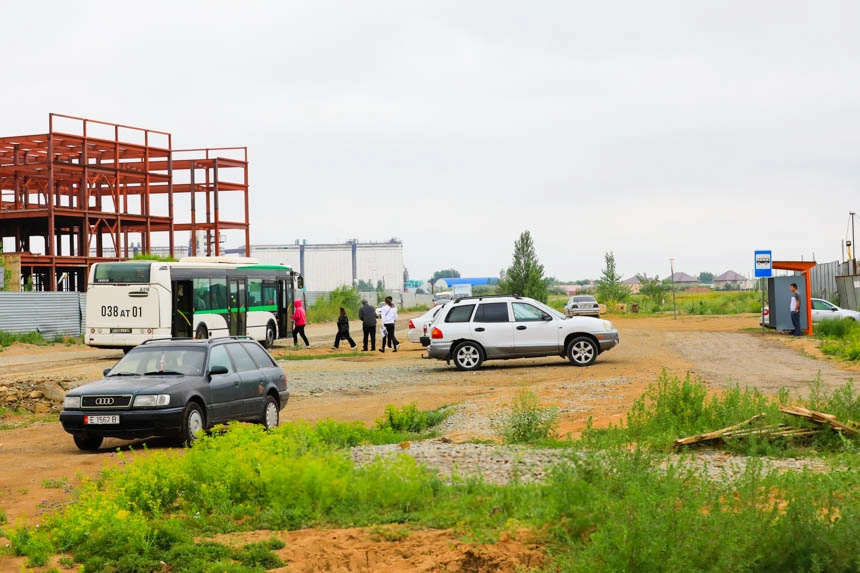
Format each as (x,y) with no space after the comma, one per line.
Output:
(101,419)
(120,331)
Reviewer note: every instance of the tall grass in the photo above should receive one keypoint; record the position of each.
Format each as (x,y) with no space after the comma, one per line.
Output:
(689,303)
(325,309)
(840,338)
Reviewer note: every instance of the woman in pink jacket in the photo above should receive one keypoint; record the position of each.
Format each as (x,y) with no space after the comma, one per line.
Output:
(299,320)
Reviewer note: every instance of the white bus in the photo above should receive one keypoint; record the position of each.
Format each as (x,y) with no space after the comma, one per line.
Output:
(200,297)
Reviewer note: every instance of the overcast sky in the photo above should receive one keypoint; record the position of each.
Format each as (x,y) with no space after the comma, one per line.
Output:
(695,130)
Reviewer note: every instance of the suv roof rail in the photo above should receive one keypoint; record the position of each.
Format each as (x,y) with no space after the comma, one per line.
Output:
(483,296)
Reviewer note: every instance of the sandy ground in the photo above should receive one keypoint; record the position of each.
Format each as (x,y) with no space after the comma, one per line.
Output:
(720,350)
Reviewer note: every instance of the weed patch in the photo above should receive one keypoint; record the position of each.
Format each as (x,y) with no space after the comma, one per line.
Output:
(526,421)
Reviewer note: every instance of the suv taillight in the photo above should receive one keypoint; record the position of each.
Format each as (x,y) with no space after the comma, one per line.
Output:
(411,325)
(436,333)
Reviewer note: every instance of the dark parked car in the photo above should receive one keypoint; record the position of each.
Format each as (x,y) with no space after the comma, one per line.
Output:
(177,388)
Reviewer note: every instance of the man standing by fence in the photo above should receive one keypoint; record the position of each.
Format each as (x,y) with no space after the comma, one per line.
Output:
(794,305)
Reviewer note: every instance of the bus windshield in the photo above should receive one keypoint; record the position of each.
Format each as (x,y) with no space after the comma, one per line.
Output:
(122,273)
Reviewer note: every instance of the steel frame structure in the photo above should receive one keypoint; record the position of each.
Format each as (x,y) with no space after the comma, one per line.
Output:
(86,197)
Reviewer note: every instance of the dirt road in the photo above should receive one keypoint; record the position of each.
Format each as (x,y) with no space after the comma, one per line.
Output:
(721,350)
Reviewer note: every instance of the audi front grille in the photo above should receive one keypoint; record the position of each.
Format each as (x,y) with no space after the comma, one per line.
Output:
(106,402)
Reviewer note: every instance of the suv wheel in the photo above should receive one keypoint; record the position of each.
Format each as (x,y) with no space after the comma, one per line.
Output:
(87,442)
(193,423)
(582,351)
(270,413)
(468,356)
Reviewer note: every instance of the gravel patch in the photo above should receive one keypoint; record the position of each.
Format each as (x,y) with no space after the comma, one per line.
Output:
(499,464)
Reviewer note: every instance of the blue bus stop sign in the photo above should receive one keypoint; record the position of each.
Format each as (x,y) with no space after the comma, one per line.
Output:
(763,264)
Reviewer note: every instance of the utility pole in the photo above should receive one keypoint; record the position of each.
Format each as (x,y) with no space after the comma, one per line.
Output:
(853,253)
(672,268)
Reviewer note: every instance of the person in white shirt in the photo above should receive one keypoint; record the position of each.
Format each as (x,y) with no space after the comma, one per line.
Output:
(389,316)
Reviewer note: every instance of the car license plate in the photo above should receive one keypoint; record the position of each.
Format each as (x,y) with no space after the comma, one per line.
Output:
(101,419)
(120,331)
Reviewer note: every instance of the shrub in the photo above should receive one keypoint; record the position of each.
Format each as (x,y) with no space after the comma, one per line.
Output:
(526,421)
(411,419)
(325,309)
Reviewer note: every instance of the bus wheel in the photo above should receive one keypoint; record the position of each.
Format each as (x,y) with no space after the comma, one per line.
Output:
(202,332)
(270,335)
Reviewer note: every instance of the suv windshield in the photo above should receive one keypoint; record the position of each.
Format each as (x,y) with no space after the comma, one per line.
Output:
(161,360)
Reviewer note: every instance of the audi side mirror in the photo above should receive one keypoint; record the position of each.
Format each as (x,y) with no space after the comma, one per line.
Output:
(105,371)
(219,369)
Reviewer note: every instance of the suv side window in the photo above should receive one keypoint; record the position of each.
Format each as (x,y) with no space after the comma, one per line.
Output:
(218,357)
(460,313)
(492,312)
(243,360)
(524,312)
(260,356)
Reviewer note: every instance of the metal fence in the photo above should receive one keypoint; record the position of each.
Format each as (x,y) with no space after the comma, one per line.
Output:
(823,280)
(48,313)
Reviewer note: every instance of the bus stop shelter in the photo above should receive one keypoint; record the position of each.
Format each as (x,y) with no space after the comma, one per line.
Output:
(802,267)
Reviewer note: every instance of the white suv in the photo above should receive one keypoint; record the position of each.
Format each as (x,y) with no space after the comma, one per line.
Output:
(478,328)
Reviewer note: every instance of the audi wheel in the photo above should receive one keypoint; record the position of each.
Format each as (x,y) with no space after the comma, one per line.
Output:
(88,442)
(193,423)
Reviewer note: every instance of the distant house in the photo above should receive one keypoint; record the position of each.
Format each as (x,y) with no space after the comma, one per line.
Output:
(684,279)
(633,284)
(730,279)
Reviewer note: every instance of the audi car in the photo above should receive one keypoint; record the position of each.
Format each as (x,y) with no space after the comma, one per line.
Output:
(177,388)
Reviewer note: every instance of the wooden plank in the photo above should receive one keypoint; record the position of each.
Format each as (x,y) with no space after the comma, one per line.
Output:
(820,418)
(716,434)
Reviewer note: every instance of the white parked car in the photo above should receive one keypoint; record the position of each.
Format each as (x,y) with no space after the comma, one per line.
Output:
(826,310)
(419,327)
(582,305)
(473,329)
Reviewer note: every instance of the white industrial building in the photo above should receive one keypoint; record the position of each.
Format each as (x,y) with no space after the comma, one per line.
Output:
(329,266)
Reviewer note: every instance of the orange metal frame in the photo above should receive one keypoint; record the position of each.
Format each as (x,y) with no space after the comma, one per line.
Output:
(78,191)
(802,267)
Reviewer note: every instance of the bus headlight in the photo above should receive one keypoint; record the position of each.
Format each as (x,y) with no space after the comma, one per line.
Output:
(72,403)
(151,400)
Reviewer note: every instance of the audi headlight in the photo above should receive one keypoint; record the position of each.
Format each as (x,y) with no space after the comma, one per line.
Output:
(72,403)
(151,400)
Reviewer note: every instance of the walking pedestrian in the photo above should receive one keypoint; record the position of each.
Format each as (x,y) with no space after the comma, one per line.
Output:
(343,330)
(367,316)
(389,316)
(299,319)
(794,306)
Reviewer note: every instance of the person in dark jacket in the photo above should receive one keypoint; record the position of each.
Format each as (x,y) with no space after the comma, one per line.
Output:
(343,330)
(367,316)
(299,321)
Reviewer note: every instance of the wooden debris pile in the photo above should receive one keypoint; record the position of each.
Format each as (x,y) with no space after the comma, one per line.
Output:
(749,428)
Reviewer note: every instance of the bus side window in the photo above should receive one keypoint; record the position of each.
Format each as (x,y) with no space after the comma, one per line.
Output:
(201,294)
(219,294)
(255,286)
(270,290)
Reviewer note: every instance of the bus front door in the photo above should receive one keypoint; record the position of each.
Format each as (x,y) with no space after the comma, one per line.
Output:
(181,314)
(238,306)
(285,303)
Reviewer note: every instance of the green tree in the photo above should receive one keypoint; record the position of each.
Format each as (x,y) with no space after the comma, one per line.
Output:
(609,286)
(525,275)
(653,288)
(706,278)
(445,274)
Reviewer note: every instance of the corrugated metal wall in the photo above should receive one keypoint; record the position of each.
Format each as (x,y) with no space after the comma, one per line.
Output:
(49,313)
(823,280)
